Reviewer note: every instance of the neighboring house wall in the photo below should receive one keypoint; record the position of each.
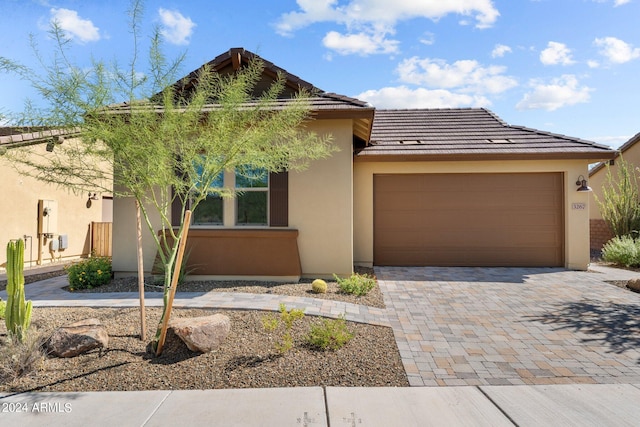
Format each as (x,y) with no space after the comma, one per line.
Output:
(19,196)
(600,231)
(576,221)
(320,208)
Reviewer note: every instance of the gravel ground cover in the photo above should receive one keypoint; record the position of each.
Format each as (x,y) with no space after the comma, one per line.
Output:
(303,289)
(247,359)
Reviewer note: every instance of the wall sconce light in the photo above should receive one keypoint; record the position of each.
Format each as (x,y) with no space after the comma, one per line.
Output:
(582,184)
(93,196)
(50,146)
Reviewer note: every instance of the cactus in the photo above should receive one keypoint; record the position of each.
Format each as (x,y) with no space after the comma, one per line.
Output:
(17,312)
(319,286)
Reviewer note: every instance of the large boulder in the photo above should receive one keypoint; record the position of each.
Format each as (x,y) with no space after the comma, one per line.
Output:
(202,334)
(77,338)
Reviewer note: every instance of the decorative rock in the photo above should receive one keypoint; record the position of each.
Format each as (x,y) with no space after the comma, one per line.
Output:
(634,284)
(202,334)
(77,338)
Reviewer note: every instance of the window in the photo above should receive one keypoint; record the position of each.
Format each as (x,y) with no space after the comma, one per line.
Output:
(252,200)
(250,207)
(210,210)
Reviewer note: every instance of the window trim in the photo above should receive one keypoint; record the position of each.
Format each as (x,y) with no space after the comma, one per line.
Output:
(277,205)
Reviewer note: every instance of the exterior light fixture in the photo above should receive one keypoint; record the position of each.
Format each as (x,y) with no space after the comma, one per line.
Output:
(93,196)
(582,184)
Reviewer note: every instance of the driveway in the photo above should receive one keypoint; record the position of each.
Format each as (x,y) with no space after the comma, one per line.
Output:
(512,326)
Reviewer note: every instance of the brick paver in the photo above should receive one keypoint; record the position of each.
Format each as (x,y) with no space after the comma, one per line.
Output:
(501,326)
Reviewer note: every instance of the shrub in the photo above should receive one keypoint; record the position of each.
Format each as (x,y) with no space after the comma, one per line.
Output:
(287,317)
(356,284)
(619,204)
(89,273)
(319,286)
(622,250)
(331,334)
(18,359)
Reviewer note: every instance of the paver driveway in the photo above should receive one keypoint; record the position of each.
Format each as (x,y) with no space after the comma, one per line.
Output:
(500,326)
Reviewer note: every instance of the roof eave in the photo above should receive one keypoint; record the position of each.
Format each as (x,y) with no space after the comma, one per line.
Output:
(361,157)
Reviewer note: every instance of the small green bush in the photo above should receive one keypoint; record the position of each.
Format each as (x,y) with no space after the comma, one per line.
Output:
(622,250)
(356,284)
(89,273)
(330,334)
(319,286)
(287,317)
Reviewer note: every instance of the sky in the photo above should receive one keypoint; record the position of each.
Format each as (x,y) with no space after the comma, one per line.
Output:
(569,67)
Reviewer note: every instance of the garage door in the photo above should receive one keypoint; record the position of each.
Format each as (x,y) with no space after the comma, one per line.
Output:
(469,220)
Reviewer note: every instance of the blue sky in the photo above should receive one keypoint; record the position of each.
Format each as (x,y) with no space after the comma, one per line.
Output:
(564,66)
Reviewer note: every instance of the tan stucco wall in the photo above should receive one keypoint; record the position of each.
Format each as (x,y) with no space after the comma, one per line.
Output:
(19,197)
(125,260)
(598,179)
(576,220)
(320,208)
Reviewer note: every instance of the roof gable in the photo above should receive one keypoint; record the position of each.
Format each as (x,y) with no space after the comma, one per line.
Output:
(324,105)
(623,148)
(467,133)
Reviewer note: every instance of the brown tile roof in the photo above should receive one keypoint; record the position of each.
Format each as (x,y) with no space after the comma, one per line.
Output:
(11,137)
(324,105)
(624,147)
(471,133)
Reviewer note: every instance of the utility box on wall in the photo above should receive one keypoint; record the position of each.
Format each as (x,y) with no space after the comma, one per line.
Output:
(47,218)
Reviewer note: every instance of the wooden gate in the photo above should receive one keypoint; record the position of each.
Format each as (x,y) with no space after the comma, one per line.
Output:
(101,238)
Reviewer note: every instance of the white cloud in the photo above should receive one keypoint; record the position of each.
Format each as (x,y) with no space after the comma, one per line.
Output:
(500,50)
(77,28)
(593,64)
(616,3)
(428,39)
(175,27)
(560,92)
(616,50)
(556,53)
(380,17)
(404,97)
(465,75)
(360,43)
(611,141)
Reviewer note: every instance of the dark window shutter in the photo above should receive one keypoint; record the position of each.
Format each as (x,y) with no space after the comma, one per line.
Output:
(279,199)
(176,209)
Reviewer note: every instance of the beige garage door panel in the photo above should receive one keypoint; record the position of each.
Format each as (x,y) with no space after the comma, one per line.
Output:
(469,219)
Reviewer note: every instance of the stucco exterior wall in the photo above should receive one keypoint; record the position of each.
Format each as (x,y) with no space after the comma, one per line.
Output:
(320,208)
(125,259)
(19,197)
(575,217)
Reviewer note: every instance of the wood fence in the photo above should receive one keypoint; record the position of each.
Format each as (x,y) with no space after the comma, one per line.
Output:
(101,235)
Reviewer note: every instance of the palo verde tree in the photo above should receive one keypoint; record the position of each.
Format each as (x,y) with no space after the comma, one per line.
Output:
(162,144)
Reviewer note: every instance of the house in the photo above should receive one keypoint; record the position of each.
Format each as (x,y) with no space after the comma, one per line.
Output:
(451,187)
(600,231)
(56,224)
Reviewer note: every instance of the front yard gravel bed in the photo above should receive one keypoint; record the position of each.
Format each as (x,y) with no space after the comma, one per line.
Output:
(247,358)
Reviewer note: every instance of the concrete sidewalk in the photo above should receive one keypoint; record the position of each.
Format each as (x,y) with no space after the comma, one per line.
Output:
(566,405)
